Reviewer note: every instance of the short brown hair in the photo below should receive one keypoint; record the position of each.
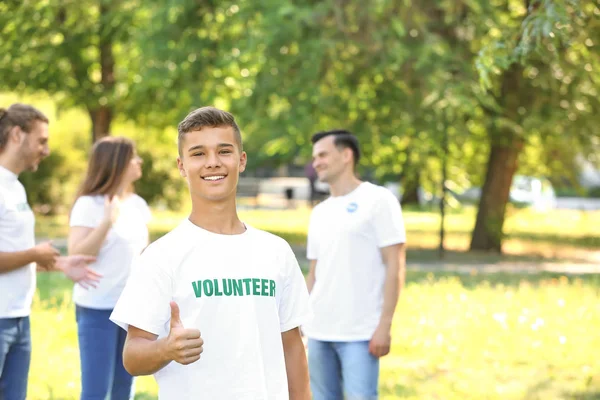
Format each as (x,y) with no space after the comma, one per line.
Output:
(21,115)
(207,117)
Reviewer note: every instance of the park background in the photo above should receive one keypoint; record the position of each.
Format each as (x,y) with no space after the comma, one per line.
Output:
(448,98)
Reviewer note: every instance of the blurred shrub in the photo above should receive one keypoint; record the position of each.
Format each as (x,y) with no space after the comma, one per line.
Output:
(50,189)
(594,192)
(161,183)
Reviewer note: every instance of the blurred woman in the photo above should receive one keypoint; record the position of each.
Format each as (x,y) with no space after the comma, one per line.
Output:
(109,221)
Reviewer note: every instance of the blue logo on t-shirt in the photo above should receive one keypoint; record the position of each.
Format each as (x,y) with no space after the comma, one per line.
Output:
(351,207)
(21,207)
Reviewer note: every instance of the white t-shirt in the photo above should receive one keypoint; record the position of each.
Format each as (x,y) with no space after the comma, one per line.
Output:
(17,233)
(127,238)
(345,236)
(240,291)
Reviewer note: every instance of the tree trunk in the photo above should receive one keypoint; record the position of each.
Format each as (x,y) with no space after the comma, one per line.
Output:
(101,119)
(410,180)
(410,193)
(501,168)
(102,114)
(506,145)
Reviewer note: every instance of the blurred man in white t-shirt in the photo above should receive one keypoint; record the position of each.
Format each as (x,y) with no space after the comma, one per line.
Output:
(357,258)
(213,308)
(23,145)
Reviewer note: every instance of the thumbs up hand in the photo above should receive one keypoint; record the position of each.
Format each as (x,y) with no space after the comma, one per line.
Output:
(183,345)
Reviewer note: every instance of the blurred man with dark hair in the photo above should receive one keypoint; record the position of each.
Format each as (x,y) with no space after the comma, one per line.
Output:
(356,252)
(23,145)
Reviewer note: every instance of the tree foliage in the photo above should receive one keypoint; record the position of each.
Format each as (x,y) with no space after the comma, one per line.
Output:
(540,75)
(511,84)
(79,51)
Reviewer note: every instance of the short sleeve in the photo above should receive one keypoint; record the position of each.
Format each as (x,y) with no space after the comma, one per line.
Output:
(388,221)
(86,212)
(144,302)
(312,249)
(294,309)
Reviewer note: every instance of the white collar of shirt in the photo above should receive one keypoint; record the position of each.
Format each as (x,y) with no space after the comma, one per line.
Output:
(8,174)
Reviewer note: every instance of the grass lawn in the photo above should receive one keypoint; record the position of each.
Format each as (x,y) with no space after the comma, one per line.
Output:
(496,336)
(456,337)
(559,235)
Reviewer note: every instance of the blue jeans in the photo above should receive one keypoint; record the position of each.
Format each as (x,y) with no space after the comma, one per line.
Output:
(101,355)
(15,356)
(342,368)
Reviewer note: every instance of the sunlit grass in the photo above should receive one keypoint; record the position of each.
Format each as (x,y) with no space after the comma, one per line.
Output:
(467,338)
(455,336)
(55,372)
(497,336)
(564,234)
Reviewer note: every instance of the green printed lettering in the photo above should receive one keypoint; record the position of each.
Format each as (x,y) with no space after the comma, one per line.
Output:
(247,282)
(227,287)
(197,288)
(238,289)
(264,286)
(217,291)
(234,287)
(208,287)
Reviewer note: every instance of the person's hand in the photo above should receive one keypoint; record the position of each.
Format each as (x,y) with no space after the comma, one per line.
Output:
(183,345)
(45,267)
(45,255)
(381,341)
(112,208)
(76,269)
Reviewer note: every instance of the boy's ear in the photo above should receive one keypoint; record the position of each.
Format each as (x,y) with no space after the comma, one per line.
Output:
(243,161)
(180,167)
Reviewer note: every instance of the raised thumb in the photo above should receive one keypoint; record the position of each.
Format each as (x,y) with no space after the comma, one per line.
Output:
(175,319)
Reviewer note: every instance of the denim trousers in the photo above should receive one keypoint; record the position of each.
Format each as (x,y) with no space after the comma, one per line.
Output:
(101,356)
(15,357)
(342,370)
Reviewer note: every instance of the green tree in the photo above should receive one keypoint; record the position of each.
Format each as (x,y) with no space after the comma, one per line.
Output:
(79,52)
(537,64)
(89,55)
(378,71)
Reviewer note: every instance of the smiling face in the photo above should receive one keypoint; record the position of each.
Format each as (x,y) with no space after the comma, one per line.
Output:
(211,161)
(330,161)
(34,146)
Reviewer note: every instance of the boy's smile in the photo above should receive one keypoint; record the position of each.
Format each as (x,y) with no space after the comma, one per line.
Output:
(211,161)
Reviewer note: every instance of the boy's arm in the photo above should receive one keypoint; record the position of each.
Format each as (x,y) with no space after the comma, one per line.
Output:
(144,354)
(296,365)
